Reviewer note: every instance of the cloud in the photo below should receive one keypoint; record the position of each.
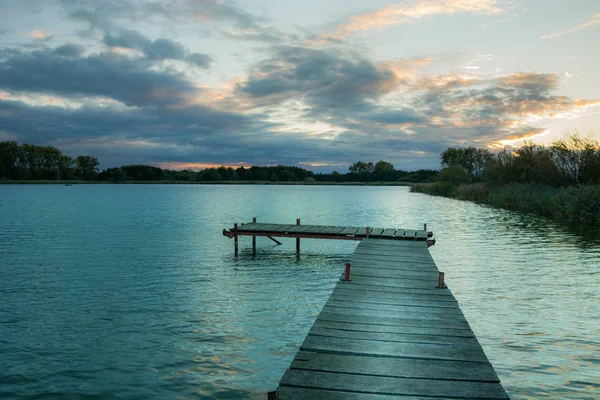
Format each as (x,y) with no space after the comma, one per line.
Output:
(412,11)
(3,31)
(159,49)
(324,80)
(39,34)
(199,59)
(121,78)
(100,15)
(594,21)
(69,50)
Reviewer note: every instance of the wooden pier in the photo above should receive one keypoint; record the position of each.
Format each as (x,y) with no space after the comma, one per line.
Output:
(391,328)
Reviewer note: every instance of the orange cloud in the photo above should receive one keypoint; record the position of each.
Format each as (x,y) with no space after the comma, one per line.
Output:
(412,12)
(594,21)
(197,166)
(38,34)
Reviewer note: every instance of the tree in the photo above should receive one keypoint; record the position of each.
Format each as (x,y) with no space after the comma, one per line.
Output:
(383,167)
(455,174)
(578,158)
(9,156)
(273,177)
(87,167)
(471,159)
(360,167)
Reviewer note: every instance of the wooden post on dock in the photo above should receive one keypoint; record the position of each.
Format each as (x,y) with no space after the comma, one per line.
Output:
(347,273)
(235,237)
(367,233)
(297,239)
(441,281)
(425,227)
(254,238)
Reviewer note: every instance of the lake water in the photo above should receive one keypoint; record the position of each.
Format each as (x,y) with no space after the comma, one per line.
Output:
(131,291)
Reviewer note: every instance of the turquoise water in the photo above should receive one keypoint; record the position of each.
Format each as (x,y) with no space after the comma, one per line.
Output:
(131,291)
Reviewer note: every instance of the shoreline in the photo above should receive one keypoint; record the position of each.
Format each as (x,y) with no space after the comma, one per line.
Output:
(46,182)
(571,206)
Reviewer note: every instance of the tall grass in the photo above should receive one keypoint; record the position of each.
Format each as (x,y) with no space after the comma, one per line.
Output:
(573,205)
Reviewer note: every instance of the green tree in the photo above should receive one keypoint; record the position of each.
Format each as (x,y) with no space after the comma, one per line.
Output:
(87,167)
(361,167)
(383,167)
(455,174)
(9,157)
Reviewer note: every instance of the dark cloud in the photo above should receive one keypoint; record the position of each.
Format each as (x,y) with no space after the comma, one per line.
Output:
(4,31)
(159,49)
(325,80)
(199,59)
(69,50)
(125,79)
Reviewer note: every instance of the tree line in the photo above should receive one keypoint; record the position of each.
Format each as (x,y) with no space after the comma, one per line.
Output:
(32,162)
(572,160)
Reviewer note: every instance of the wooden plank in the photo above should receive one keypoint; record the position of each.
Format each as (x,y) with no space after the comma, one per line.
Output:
(388,232)
(404,301)
(337,230)
(283,228)
(396,349)
(345,288)
(379,242)
(447,313)
(362,231)
(418,317)
(393,264)
(295,228)
(405,330)
(410,234)
(394,273)
(376,232)
(301,393)
(396,367)
(364,257)
(399,233)
(421,235)
(394,282)
(392,386)
(325,229)
(268,228)
(398,290)
(310,229)
(349,230)
(393,253)
(431,326)
(392,337)
(250,227)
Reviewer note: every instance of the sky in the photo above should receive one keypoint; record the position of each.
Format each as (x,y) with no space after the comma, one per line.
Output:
(319,84)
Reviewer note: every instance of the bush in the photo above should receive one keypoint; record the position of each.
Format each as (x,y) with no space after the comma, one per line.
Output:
(309,179)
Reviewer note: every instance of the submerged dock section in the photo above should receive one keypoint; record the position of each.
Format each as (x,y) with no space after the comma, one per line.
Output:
(391,329)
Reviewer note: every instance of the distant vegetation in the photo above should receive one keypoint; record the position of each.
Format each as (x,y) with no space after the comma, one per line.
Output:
(36,163)
(559,181)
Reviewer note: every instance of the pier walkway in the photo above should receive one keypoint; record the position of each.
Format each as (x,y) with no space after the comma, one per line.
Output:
(391,329)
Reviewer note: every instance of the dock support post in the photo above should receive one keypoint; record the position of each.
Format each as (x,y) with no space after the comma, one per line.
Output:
(273,395)
(441,281)
(235,237)
(425,227)
(253,238)
(367,233)
(347,273)
(297,239)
